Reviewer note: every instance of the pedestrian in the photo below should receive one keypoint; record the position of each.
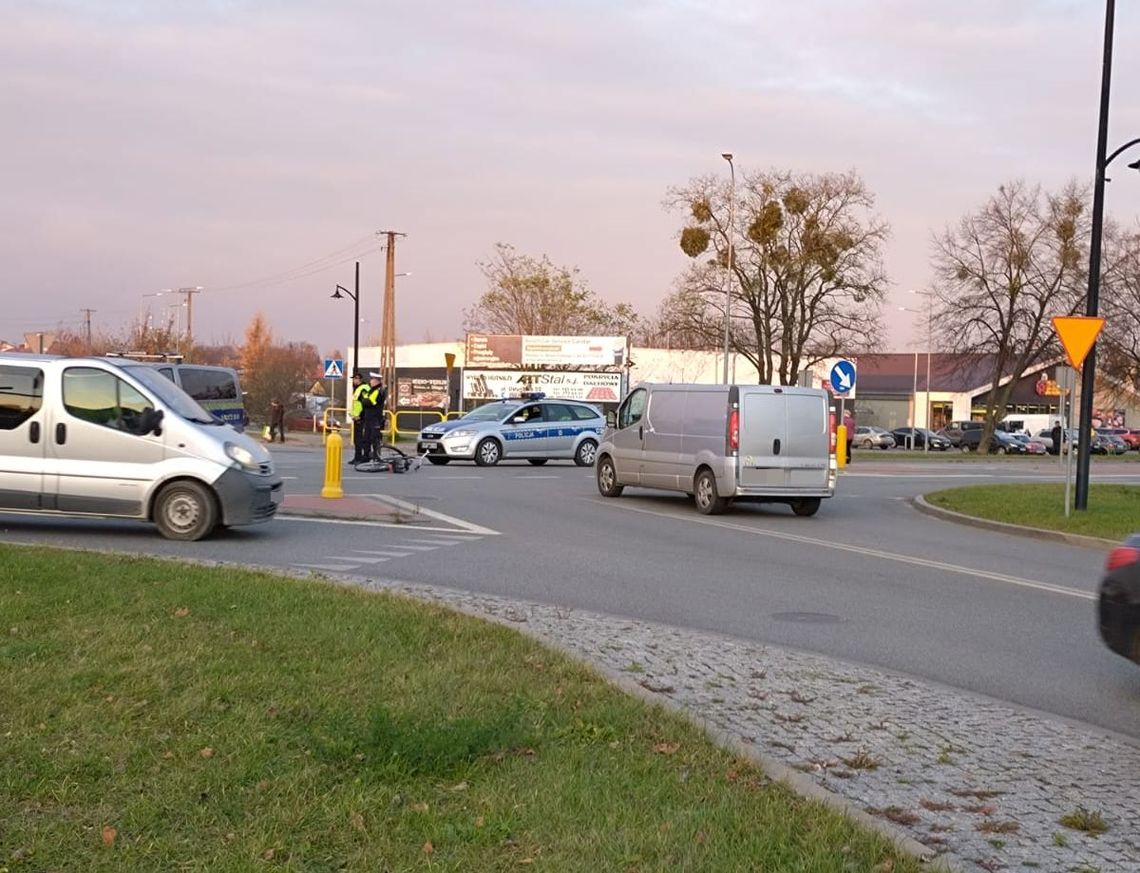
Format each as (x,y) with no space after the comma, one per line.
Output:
(849,427)
(1057,438)
(359,446)
(276,420)
(373,401)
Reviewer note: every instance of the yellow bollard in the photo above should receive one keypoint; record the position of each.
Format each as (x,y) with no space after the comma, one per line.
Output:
(334,447)
(841,446)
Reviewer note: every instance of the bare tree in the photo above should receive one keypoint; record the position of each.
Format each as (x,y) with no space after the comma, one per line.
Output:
(1002,273)
(807,274)
(532,296)
(1118,350)
(272,370)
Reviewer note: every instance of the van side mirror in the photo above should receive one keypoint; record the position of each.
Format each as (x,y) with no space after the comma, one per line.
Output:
(611,419)
(151,422)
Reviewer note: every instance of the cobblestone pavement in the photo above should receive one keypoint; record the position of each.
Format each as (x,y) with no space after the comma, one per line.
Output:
(984,785)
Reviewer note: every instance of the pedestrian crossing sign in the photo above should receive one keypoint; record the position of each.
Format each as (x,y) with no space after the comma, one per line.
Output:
(334,368)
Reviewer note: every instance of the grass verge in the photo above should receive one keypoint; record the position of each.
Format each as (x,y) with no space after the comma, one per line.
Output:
(1113,510)
(163,716)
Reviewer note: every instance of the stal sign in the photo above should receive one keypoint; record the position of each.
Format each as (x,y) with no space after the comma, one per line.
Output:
(499,384)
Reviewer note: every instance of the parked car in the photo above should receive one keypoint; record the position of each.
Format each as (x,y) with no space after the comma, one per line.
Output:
(868,436)
(917,437)
(533,429)
(1126,436)
(1033,446)
(1045,437)
(954,430)
(1120,599)
(1001,443)
(1116,444)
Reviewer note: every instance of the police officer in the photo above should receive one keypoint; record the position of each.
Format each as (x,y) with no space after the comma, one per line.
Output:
(372,401)
(359,447)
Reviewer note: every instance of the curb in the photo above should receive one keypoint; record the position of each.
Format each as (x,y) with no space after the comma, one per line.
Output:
(1036,533)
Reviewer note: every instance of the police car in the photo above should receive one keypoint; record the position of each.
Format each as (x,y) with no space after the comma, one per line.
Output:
(530,428)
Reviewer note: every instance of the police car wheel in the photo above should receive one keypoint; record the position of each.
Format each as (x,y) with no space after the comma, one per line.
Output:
(586,453)
(488,453)
(185,511)
(439,462)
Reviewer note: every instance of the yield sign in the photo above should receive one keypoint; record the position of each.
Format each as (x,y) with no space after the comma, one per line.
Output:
(1077,333)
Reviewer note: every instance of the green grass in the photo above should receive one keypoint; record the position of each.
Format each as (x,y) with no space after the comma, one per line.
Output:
(1113,510)
(156,716)
(956,456)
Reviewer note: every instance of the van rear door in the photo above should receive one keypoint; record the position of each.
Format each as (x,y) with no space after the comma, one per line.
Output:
(807,451)
(785,439)
(763,434)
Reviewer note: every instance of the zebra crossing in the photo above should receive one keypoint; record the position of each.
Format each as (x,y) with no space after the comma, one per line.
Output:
(405,547)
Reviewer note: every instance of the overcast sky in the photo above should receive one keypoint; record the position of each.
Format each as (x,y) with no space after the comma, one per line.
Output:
(247,147)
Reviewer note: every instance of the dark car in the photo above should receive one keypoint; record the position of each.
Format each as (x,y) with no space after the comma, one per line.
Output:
(917,437)
(1120,599)
(1001,443)
(954,430)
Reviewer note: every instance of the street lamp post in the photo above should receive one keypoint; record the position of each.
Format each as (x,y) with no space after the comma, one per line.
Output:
(728,278)
(355,315)
(1092,301)
(929,352)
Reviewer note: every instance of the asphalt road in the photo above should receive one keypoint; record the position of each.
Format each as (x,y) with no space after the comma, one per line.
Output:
(867,580)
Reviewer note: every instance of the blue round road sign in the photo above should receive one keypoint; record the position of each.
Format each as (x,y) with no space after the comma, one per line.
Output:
(842,377)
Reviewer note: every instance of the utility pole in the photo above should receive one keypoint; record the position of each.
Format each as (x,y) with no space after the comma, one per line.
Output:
(87,324)
(388,320)
(189,292)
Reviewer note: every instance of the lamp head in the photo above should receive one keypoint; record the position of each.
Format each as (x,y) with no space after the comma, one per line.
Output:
(336,295)
(727,156)
(1135,165)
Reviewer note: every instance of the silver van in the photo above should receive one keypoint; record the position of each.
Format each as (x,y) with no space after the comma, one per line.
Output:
(114,437)
(722,443)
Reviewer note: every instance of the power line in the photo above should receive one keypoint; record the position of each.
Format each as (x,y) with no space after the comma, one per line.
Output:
(353,251)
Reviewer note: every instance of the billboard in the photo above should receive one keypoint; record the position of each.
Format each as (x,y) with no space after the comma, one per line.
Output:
(505,350)
(498,384)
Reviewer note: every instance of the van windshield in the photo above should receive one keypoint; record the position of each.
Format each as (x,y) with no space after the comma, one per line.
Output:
(173,397)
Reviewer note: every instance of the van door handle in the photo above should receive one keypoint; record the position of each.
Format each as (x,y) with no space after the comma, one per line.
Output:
(775,447)
(640,432)
(61,433)
(34,432)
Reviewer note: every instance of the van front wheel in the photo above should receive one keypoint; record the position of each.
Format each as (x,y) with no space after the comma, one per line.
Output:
(705,496)
(185,511)
(607,478)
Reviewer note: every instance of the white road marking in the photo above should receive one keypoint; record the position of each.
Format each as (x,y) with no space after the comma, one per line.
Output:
(532,476)
(403,545)
(359,522)
(468,526)
(360,560)
(875,553)
(387,553)
(446,541)
(334,568)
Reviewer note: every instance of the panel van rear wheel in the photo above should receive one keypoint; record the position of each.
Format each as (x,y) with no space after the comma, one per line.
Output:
(705,496)
(805,506)
(607,479)
(185,511)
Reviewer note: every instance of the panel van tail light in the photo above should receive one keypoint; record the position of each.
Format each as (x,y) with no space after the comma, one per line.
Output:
(734,430)
(831,427)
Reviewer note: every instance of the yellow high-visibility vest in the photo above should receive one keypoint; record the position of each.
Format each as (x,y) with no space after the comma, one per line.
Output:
(357,400)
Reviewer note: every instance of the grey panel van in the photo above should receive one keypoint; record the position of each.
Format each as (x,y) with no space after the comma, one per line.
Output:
(722,443)
(113,437)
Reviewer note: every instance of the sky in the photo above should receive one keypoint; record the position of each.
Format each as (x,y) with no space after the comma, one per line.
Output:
(254,149)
